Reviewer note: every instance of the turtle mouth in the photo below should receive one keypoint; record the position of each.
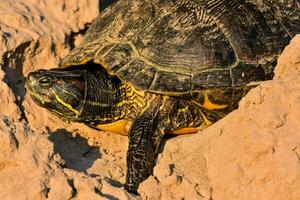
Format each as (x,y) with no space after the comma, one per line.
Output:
(39,99)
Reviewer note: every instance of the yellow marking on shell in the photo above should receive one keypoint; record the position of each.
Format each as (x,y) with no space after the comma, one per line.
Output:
(121,127)
(100,61)
(84,61)
(81,62)
(181,131)
(210,105)
(191,130)
(66,104)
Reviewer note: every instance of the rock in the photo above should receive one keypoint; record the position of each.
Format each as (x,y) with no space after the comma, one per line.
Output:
(30,168)
(60,187)
(289,58)
(8,101)
(25,161)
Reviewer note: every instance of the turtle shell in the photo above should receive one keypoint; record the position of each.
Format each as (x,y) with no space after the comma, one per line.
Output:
(176,47)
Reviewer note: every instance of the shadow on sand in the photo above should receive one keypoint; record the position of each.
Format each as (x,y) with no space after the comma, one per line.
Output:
(75,151)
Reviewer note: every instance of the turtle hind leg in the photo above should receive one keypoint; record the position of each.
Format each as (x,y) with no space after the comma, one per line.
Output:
(144,140)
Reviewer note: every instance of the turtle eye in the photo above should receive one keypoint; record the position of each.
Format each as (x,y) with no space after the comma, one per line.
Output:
(45,81)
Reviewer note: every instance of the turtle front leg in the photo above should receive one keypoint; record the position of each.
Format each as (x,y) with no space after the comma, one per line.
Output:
(144,139)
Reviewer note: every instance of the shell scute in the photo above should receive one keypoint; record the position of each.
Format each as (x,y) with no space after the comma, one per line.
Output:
(175,47)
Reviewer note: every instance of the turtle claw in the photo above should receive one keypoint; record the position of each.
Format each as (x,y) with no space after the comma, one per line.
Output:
(132,188)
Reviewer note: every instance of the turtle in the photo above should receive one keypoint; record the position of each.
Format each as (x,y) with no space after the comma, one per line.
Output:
(149,68)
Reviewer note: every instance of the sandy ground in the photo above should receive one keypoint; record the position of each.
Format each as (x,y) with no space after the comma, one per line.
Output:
(253,153)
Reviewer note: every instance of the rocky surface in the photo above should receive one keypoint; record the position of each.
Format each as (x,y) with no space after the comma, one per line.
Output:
(253,153)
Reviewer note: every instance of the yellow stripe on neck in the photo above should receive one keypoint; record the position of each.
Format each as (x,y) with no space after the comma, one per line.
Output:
(66,104)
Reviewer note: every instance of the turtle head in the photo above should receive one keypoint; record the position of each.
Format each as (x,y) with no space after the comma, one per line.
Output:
(60,91)
(79,94)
